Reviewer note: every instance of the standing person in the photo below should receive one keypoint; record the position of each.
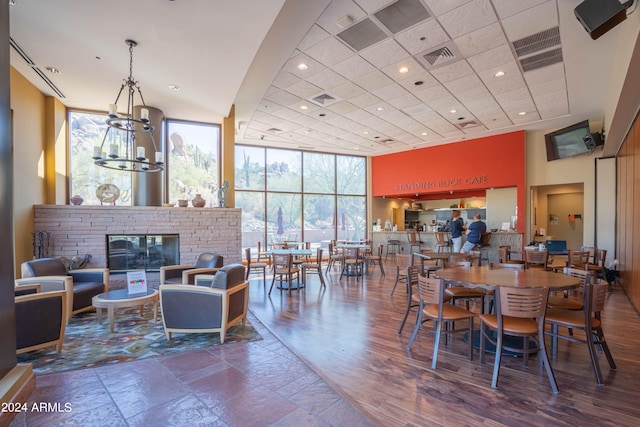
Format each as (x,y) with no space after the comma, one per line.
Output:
(456,228)
(474,234)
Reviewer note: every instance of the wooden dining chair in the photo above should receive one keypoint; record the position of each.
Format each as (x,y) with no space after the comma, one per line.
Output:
(520,312)
(283,270)
(432,297)
(461,292)
(535,258)
(587,320)
(413,236)
(403,261)
(571,299)
(442,241)
(255,267)
(375,259)
(313,267)
(413,299)
(578,259)
(352,263)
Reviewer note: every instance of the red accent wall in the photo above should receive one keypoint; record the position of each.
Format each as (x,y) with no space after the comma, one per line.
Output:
(477,164)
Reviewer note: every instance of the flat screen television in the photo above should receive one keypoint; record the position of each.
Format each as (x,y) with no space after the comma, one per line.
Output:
(568,142)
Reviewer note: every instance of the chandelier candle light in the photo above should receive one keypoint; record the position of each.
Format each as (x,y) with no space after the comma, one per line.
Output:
(120,137)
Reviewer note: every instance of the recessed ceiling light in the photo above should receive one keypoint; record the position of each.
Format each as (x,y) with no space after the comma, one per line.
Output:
(403,70)
(453,111)
(308,131)
(365,132)
(304,107)
(522,113)
(174,87)
(499,74)
(423,134)
(380,109)
(302,66)
(52,70)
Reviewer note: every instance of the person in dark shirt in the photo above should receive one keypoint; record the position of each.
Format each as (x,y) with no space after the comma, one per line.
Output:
(456,228)
(474,234)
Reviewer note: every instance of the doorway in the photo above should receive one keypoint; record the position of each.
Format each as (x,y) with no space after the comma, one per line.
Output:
(559,212)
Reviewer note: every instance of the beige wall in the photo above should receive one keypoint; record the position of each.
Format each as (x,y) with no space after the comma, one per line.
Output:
(28,106)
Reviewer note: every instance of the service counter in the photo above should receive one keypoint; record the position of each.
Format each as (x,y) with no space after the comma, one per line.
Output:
(428,238)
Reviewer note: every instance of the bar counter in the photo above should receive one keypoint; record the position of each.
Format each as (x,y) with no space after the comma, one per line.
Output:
(500,238)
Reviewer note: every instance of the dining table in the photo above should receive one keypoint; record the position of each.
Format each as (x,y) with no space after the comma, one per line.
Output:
(491,278)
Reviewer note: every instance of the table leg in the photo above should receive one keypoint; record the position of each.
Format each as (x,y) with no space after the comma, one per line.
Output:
(112,317)
(99,314)
(141,310)
(155,310)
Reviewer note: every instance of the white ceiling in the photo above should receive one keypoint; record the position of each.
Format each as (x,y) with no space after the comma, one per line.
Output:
(246,52)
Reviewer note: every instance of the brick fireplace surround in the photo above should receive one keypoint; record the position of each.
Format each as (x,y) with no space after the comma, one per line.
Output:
(80,230)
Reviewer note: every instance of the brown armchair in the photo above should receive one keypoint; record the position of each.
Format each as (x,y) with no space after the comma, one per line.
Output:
(80,286)
(204,309)
(207,263)
(40,318)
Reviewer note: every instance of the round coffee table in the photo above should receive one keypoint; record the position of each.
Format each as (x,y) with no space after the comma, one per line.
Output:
(122,298)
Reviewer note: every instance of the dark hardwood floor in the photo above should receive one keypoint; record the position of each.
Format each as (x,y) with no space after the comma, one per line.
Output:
(347,333)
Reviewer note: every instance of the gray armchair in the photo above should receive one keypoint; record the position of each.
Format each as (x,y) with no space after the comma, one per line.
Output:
(80,286)
(207,263)
(204,309)
(40,318)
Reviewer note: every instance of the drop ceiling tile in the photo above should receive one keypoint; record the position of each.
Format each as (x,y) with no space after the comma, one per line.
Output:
(468,18)
(271,90)
(362,116)
(417,109)
(432,93)
(422,37)
(373,80)
(403,101)
(391,91)
(484,107)
(287,114)
(492,59)
(313,66)
(303,89)
(514,82)
(381,109)
(326,78)
(282,97)
(314,36)
(336,10)
(425,77)
(541,75)
(517,100)
(353,67)
(284,79)
(511,70)
(342,107)
(347,90)
(556,85)
(267,106)
(486,38)
(531,21)
(365,100)
(384,53)
(452,71)
(413,66)
(459,86)
(557,109)
(506,8)
(330,52)
(438,7)
(371,6)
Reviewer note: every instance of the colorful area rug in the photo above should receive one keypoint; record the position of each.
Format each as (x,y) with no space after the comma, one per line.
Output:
(88,344)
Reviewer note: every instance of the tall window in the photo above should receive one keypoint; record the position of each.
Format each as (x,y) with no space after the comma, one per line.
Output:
(193,166)
(302,196)
(87,131)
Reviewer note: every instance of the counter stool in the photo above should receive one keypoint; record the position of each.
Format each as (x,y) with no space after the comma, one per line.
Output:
(392,248)
(442,241)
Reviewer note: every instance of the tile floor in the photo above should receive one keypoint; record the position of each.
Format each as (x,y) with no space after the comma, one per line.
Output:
(240,384)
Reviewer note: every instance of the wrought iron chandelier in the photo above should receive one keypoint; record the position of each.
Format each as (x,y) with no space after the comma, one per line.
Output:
(120,138)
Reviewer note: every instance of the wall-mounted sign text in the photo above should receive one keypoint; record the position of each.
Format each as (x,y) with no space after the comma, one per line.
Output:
(442,183)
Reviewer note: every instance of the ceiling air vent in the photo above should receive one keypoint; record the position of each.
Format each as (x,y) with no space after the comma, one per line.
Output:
(442,55)
(537,42)
(468,124)
(274,130)
(402,14)
(34,67)
(543,59)
(362,35)
(323,99)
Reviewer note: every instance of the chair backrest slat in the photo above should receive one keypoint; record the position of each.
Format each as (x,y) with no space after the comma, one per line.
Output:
(522,302)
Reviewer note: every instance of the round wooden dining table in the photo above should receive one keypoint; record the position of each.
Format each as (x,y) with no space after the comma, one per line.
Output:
(487,278)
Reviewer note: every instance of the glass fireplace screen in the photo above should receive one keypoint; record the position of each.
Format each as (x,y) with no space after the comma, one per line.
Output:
(142,251)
